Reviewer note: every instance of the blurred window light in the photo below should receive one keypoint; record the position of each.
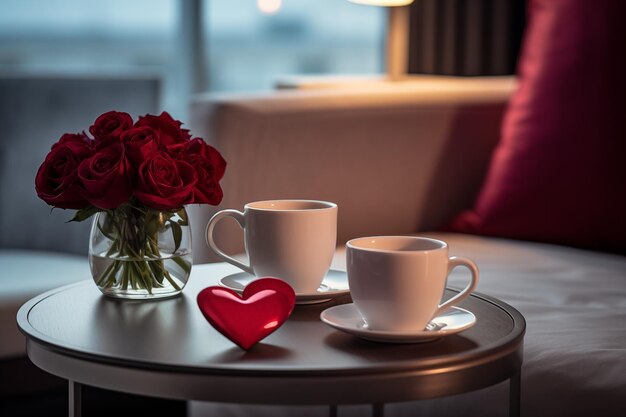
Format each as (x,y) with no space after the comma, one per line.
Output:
(269,6)
(85,36)
(250,44)
(110,17)
(248,50)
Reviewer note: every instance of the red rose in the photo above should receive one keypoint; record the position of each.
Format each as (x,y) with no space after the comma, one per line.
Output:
(141,143)
(110,126)
(169,129)
(164,183)
(56,182)
(105,177)
(210,168)
(80,139)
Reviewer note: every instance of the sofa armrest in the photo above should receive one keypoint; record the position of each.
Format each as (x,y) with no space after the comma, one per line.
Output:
(396,157)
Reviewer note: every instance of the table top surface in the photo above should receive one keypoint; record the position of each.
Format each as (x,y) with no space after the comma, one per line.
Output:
(171,334)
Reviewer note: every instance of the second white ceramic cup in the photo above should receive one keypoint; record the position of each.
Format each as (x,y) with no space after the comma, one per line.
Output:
(293,240)
(397,282)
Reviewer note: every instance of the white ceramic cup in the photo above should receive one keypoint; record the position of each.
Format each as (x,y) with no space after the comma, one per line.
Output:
(397,282)
(293,240)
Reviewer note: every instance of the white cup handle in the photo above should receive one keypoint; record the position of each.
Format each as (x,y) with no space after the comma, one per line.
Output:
(455,261)
(239,217)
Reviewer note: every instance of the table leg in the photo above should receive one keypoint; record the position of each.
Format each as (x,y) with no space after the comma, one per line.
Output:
(75,394)
(378,410)
(515,388)
(332,411)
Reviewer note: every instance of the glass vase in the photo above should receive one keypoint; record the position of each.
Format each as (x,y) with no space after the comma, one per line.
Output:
(140,253)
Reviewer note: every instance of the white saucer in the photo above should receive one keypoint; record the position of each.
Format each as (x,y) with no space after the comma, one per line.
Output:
(346,318)
(335,284)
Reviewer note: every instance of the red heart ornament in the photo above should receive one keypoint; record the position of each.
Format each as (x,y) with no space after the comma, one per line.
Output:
(262,308)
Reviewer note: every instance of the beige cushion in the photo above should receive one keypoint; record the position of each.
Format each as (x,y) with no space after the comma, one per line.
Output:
(397,158)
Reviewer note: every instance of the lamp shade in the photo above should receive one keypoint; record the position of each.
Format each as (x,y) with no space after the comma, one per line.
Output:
(388,3)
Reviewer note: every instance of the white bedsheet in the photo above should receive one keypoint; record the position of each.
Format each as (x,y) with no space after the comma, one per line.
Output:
(574,302)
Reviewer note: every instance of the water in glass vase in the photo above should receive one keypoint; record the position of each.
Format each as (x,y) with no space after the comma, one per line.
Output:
(140,253)
(141,278)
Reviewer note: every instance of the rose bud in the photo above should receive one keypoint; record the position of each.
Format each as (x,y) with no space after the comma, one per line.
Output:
(105,177)
(164,183)
(141,143)
(210,168)
(169,129)
(56,182)
(81,140)
(110,126)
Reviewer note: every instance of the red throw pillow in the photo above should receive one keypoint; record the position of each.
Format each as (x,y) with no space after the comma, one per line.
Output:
(558,173)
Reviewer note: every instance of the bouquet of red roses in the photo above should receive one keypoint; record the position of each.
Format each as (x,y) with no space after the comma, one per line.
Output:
(139,176)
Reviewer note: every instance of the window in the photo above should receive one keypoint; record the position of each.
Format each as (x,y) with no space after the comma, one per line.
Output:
(245,46)
(250,50)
